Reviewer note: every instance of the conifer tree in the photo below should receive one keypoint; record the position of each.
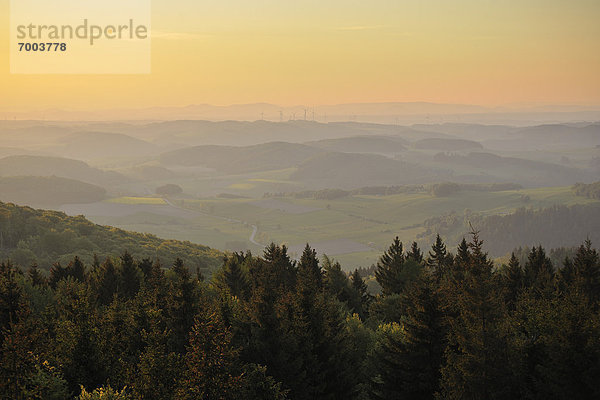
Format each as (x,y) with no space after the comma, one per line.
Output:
(76,346)
(95,263)
(415,253)
(389,269)
(12,300)
(182,302)
(145,266)
(336,281)
(513,279)
(475,363)
(539,271)
(310,275)
(586,268)
(210,370)
(57,273)
(463,255)
(105,282)
(439,260)
(130,276)
(76,269)
(389,375)
(459,263)
(234,277)
(35,276)
(159,368)
(362,294)
(279,267)
(424,341)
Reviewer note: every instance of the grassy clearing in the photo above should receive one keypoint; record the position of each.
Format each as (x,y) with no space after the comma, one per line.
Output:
(138,200)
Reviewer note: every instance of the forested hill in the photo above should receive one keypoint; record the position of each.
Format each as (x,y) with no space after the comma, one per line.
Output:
(29,236)
(550,227)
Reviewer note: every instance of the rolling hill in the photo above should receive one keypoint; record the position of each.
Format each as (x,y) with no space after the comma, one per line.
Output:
(363,144)
(38,191)
(530,173)
(350,170)
(442,144)
(92,145)
(56,166)
(229,159)
(12,151)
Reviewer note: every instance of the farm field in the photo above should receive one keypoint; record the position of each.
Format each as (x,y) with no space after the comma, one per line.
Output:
(354,230)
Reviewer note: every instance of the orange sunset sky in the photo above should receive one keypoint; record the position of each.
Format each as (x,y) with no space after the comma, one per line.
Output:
(485,52)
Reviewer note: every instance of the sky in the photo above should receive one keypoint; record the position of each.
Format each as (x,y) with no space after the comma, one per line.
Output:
(316,52)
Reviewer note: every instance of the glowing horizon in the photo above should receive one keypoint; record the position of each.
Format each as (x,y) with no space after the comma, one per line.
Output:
(488,53)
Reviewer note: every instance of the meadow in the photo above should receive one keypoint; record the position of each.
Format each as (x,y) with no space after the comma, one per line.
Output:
(354,230)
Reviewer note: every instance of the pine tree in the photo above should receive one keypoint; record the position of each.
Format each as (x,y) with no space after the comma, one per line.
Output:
(95,263)
(159,369)
(310,275)
(439,260)
(105,282)
(389,269)
(476,365)
(362,294)
(410,360)
(388,376)
(76,269)
(234,277)
(129,277)
(586,267)
(279,268)
(35,276)
(539,271)
(513,280)
(210,370)
(274,320)
(117,334)
(155,288)
(463,254)
(182,302)
(145,266)
(425,331)
(415,253)
(308,326)
(335,281)
(76,346)
(57,273)
(12,298)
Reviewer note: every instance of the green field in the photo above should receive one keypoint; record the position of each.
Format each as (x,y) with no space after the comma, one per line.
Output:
(368,223)
(138,200)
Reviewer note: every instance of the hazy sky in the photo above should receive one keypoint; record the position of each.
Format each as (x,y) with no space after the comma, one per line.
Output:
(313,52)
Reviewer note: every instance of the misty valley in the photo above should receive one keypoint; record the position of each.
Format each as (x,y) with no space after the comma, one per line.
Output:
(344,187)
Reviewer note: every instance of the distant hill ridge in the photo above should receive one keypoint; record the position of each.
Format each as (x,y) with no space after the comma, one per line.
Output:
(48,191)
(26,165)
(230,159)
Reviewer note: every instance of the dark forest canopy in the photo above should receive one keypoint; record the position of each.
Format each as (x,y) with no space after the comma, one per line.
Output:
(448,325)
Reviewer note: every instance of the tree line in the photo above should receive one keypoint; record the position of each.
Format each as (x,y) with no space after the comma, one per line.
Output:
(591,191)
(447,325)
